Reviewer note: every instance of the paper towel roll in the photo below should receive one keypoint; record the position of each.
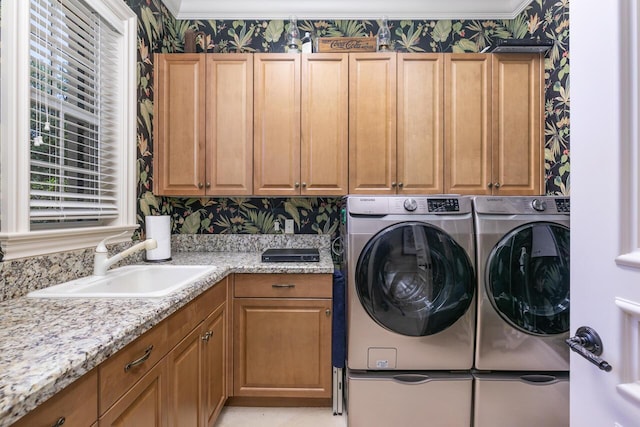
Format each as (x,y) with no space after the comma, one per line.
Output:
(158,227)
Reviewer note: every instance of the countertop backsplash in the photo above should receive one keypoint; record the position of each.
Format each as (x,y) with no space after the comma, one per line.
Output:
(21,276)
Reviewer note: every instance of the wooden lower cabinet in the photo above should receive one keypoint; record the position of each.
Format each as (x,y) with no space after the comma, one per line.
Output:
(214,364)
(187,386)
(282,345)
(63,408)
(144,404)
(197,374)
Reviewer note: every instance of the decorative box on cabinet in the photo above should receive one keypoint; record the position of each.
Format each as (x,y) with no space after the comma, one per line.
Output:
(300,124)
(282,335)
(203,124)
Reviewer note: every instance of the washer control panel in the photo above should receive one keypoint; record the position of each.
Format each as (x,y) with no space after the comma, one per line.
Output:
(443,205)
(410,205)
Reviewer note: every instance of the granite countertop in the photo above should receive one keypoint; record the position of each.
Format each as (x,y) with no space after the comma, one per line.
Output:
(46,344)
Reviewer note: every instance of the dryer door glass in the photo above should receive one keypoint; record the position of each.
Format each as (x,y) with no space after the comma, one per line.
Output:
(414,279)
(527,278)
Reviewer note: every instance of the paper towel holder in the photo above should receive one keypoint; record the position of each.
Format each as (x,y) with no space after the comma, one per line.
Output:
(158,227)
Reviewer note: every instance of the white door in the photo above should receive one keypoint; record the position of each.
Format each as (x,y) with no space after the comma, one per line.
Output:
(605,212)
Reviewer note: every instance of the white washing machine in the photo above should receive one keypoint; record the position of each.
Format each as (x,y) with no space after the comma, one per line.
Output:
(523,283)
(410,282)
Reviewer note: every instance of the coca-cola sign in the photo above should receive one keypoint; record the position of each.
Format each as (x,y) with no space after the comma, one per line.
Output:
(347,44)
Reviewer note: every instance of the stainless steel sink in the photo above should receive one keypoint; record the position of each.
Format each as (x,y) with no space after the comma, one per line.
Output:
(134,281)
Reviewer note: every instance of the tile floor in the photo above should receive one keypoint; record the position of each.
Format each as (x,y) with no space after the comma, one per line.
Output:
(239,416)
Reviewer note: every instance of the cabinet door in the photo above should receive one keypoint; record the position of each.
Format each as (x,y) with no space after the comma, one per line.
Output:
(324,143)
(282,347)
(372,123)
(144,405)
(517,146)
(229,124)
(63,408)
(214,364)
(276,124)
(420,123)
(179,124)
(184,382)
(467,123)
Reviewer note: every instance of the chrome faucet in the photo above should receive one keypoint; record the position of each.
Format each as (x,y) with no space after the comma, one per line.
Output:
(102,262)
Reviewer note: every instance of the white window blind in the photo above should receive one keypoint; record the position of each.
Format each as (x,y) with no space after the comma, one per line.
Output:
(74,87)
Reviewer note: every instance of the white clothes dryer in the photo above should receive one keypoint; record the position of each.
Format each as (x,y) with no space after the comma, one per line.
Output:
(523,283)
(410,282)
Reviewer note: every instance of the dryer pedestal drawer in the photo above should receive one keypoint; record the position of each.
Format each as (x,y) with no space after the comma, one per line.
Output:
(531,399)
(411,398)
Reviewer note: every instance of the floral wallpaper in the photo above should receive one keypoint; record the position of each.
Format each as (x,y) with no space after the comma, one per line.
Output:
(159,31)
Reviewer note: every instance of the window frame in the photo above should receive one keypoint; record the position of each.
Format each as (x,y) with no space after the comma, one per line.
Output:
(17,239)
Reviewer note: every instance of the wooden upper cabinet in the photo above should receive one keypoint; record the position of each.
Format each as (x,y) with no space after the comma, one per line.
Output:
(467,123)
(420,145)
(517,145)
(324,141)
(372,123)
(179,125)
(276,136)
(203,134)
(229,124)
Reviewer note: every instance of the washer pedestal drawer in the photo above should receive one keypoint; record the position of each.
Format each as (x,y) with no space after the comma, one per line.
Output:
(409,398)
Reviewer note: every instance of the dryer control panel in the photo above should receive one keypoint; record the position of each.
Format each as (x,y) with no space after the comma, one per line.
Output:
(522,205)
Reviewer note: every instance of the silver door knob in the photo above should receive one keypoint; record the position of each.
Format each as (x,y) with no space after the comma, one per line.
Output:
(587,343)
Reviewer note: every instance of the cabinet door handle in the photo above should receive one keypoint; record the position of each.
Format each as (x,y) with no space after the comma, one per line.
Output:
(327,312)
(60,421)
(200,185)
(304,185)
(208,185)
(393,184)
(297,184)
(400,184)
(141,360)
(490,185)
(497,185)
(207,336)
(283,285)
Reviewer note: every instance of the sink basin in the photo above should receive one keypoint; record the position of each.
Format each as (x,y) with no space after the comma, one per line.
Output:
(134,281)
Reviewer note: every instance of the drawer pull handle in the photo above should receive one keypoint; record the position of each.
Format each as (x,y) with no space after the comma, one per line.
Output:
(328,312)
(145,356)
(207,336)
(283,285)
(60,421)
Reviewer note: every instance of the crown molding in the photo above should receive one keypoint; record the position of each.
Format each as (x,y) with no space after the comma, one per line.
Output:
(349,9)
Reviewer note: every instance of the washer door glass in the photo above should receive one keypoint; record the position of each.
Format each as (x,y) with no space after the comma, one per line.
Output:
(414,279)
(527,278)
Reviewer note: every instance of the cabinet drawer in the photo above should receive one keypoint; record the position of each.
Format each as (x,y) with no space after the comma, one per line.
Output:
(182,322)
(283,285)
(64,407)
(119,372)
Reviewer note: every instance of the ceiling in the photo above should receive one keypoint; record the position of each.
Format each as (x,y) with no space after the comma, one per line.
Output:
(346,9)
